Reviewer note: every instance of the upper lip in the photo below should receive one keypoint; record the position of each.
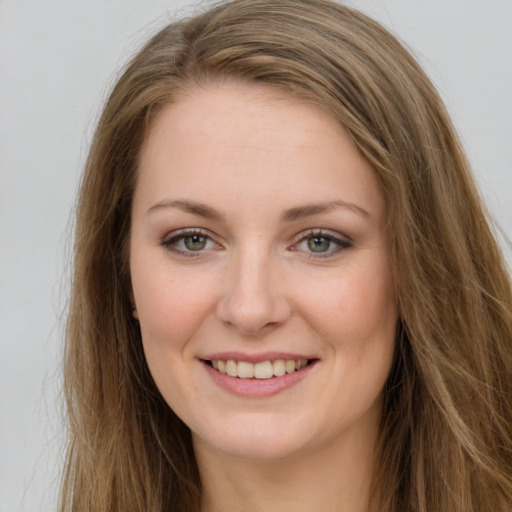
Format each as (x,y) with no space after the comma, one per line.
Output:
(255,358)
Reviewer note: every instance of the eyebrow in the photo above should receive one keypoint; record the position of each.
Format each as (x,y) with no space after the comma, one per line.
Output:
(200,209)
(315,209)
(300,212)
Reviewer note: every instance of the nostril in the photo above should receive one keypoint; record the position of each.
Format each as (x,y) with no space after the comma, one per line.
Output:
(253,304)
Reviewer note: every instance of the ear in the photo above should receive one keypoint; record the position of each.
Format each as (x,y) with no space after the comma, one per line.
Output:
(135,313)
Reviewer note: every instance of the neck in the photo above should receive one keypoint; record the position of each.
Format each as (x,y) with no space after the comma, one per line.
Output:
(336,478)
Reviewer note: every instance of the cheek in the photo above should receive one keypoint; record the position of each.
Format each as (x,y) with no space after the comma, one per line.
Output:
(355,310)
(172,307)
(353,313)
(369,301)
(171,304)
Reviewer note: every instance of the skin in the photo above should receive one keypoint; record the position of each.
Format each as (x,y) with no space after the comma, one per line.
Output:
(250,155)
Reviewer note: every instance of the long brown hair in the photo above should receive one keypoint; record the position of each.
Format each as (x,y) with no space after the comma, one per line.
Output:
(445,439)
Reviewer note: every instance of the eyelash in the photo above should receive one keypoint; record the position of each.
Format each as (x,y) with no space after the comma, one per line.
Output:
(343,243)
(169,243)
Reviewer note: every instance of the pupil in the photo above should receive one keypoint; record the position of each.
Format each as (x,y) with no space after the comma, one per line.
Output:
(319,244)
(195,242)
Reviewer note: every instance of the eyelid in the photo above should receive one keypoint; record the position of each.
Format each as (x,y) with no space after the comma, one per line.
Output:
(344,242)
(185,232)
(174,236)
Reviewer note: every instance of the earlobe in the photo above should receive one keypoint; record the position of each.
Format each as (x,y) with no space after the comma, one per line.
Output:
(133,307)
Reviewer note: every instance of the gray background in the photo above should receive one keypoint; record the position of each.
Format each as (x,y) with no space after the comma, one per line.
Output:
(57,59)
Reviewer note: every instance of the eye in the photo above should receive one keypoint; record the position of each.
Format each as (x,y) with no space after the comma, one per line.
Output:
(186,242)
(195,242)
(318,243)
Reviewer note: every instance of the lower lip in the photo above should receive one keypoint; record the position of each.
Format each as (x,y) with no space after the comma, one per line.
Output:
(257,388)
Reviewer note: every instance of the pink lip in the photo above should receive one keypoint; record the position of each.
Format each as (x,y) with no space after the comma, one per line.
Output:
(255,358)
(257,388)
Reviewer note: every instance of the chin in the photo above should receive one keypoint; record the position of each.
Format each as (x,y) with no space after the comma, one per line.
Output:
(264,450)
(263,441)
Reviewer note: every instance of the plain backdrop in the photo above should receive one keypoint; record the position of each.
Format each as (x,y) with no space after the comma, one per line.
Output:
(57,61)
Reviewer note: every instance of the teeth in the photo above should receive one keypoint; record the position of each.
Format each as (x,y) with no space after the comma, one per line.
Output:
(278,367)
(231,368)
(262,370)
(289,366)
(245,370)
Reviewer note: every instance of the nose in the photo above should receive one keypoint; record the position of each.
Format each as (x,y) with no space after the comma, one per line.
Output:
(254,299)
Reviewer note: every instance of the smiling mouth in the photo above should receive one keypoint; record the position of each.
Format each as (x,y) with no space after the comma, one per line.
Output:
(261,370)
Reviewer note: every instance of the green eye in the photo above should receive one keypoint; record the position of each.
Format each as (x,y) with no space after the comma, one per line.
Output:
(319,244)
(190,242)
(195,242)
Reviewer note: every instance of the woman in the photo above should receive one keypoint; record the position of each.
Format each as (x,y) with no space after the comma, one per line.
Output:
(286,295)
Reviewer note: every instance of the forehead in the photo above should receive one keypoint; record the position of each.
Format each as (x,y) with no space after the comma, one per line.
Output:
(254,143)
(243,111)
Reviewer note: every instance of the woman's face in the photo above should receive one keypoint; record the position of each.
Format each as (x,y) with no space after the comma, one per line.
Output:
(258,246)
